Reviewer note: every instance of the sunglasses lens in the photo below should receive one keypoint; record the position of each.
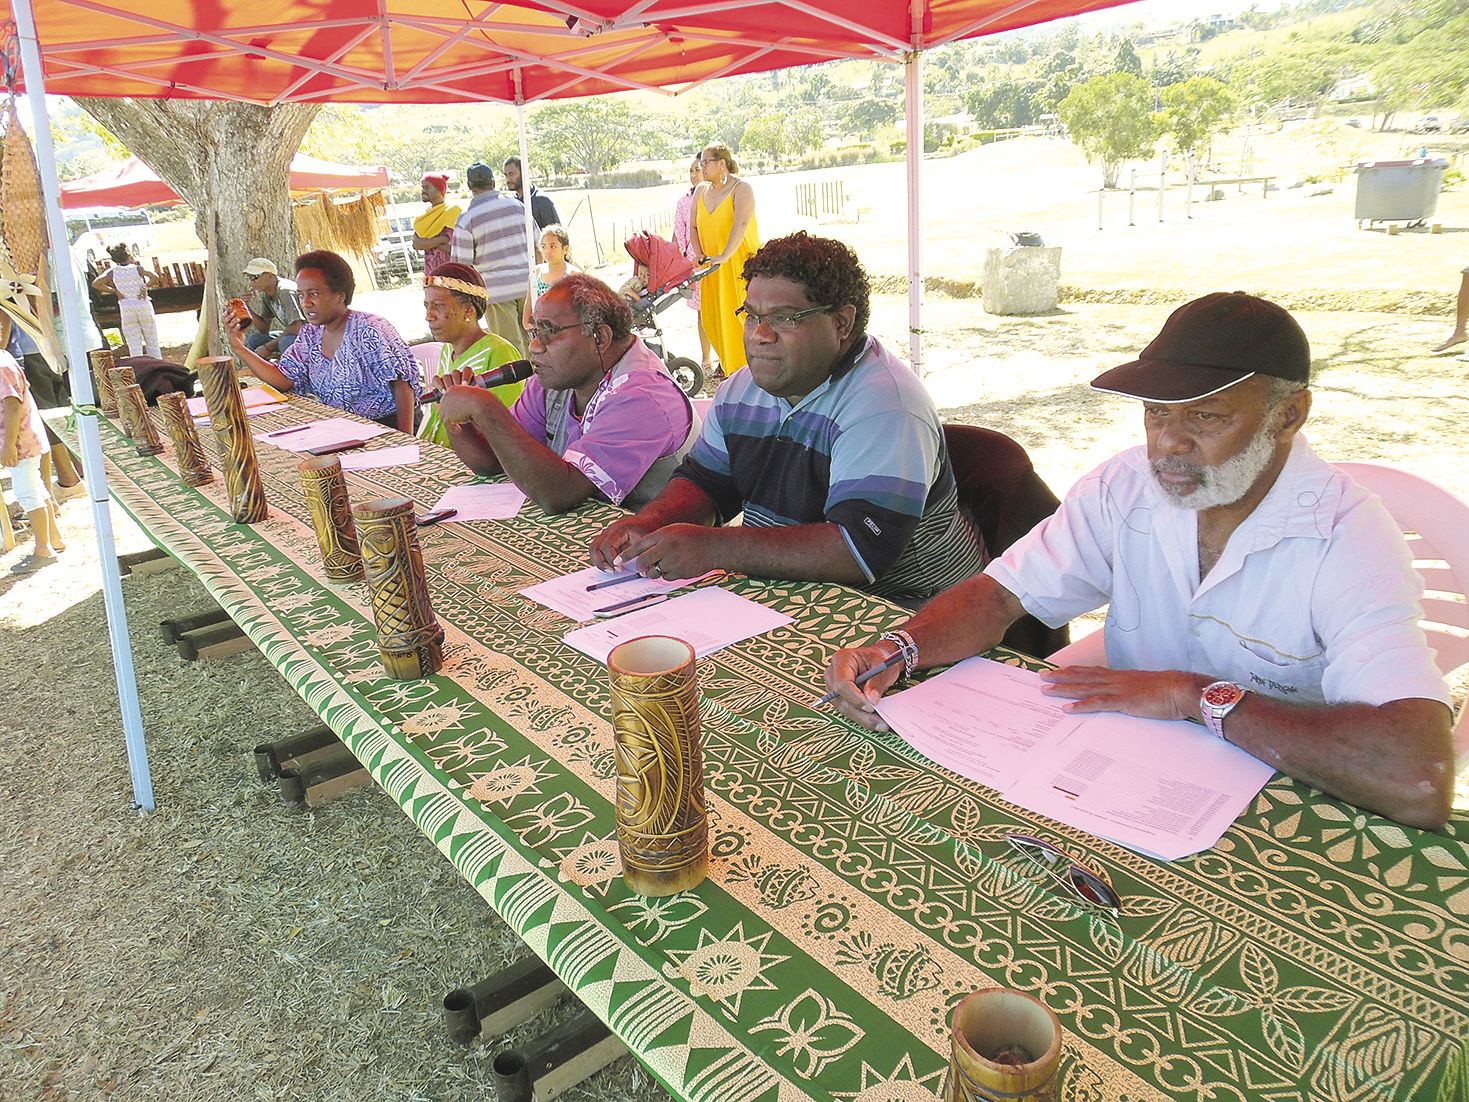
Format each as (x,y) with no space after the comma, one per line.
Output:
(1094,889)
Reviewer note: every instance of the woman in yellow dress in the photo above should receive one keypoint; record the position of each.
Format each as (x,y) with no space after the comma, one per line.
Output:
(724,233)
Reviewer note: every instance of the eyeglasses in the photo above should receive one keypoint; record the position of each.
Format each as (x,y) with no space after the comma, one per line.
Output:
(543,331)
(1088,886)
(781,322)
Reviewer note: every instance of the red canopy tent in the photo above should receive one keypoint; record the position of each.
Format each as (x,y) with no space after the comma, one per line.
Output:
(134,184)
(423,51)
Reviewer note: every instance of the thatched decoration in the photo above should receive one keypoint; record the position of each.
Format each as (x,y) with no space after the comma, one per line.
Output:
(351,226)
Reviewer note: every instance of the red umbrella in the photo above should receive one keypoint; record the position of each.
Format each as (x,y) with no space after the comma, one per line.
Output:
(134,184)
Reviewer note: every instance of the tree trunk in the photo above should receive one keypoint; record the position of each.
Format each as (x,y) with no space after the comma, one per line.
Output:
(229,161)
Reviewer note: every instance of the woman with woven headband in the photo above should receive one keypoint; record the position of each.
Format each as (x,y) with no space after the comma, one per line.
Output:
(454,299)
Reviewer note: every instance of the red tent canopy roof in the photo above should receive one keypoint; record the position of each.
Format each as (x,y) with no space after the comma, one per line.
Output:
(429,51)
(134,184)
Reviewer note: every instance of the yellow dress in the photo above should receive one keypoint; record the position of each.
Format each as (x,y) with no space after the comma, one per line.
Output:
(723,291)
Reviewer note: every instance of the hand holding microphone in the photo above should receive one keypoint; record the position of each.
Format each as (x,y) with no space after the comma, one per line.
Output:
(513,372)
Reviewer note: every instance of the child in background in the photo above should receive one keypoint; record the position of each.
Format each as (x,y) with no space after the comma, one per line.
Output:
(22,442)
(555,246)
(130,282)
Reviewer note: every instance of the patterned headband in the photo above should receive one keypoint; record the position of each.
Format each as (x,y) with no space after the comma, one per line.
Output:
(464,287)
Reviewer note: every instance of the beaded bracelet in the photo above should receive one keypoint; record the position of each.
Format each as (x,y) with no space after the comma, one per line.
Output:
(906,647)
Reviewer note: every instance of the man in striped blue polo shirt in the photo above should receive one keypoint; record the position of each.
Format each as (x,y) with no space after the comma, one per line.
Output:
(829,445)
(490,235)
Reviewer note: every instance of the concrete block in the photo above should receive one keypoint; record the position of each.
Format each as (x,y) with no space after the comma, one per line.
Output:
(1021,280)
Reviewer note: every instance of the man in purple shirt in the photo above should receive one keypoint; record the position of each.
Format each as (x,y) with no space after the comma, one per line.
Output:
(600,418)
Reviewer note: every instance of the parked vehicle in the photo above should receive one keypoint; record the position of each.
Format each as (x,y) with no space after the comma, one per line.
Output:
(1429,124)
(394,257)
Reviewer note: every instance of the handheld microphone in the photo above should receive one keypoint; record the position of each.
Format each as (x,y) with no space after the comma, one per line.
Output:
(514,372)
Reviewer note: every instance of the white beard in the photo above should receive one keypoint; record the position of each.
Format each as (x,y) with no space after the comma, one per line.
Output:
(1225,483)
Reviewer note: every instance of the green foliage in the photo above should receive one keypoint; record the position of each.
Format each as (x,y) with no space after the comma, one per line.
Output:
(1006,103)
(863,153)
(638,177)
(591,135)
(1111,118)
(1194,111)
(1127,60)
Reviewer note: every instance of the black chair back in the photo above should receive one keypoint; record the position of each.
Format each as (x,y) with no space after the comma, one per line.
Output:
(1005,498)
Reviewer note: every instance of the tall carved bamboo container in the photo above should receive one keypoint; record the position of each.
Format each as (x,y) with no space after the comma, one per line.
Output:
(661,819)
(145,433)
(102,365)
(123,377)
(236,447)
(193,464)
(1005,1046)
(331,516)
(409,637)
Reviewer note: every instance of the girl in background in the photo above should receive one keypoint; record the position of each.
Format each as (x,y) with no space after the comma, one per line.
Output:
(555,245)
(683,218)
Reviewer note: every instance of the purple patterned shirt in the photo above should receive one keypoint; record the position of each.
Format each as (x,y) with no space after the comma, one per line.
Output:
(359,378)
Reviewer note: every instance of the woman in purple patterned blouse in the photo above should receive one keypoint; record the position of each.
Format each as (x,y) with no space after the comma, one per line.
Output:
(342,357)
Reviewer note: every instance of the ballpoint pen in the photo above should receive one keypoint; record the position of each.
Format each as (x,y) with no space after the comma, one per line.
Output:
(287,432)
(863,678)
(613,581)
(646,600)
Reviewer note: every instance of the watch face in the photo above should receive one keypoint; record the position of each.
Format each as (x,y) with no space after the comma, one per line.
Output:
(1222,693)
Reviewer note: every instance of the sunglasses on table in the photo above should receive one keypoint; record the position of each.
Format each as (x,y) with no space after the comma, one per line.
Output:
(1085,884)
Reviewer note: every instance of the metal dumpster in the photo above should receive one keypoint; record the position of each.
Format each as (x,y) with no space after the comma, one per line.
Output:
(1399,191)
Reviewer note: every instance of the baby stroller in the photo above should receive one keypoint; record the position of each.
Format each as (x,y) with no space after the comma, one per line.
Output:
(662,275)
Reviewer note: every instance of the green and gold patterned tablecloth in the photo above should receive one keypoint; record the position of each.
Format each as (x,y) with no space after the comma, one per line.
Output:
(857,891)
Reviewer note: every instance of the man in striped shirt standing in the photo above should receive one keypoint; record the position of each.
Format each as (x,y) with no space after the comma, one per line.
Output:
(490,235)
(828,444)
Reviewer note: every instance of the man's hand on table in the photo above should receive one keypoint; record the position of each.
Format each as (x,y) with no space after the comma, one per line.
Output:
(673,551)
(1150,694)
(609,544)
(860,705)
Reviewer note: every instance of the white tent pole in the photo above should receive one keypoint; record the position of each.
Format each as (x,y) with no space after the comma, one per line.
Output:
(63,274)
(913,87)
(530,225)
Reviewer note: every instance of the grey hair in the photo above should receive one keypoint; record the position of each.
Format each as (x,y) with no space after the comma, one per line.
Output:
(1281,389)
(596,304)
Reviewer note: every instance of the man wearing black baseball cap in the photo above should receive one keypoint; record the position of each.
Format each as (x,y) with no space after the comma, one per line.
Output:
(1249,584)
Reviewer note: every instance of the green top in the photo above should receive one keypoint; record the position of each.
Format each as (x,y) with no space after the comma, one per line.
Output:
(484,354)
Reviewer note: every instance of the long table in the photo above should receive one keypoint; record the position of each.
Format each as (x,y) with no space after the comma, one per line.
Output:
(857,891)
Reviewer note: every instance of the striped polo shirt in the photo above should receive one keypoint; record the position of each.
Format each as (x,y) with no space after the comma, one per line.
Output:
(864,451)
(490,235)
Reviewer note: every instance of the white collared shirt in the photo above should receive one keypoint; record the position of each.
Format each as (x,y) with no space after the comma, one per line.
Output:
(1315,599)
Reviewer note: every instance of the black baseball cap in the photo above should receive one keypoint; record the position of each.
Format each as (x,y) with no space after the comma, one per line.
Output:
(1209,345)
(479,174)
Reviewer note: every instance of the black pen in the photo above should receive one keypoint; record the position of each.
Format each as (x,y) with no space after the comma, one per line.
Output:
(613,581)
(287,432)
(863,678)
(647,599)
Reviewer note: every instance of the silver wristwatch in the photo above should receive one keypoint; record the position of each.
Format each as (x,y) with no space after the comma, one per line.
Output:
(1217,701)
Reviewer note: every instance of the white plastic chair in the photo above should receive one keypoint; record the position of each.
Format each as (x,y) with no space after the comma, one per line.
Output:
(1436,525)
(427,356)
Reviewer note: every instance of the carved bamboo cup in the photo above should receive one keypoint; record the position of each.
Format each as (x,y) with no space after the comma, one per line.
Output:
(123,377)
(1005,1045)
(193,464)
(409,637)
(331,516)
(145,433)
(102,365)
(236,447)
(661,819)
